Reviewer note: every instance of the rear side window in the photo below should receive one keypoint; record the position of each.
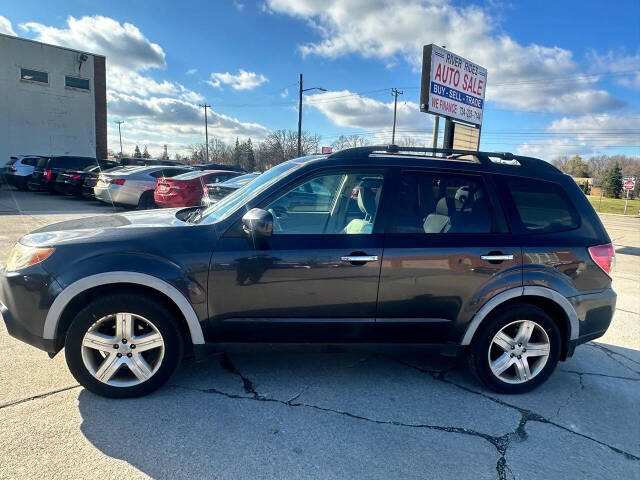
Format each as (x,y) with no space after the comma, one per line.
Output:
(542,206)
(31,161)
(12,160)
(42,163)
(436,203)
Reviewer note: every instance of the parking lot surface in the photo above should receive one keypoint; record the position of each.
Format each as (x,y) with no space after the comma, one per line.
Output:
(323,412)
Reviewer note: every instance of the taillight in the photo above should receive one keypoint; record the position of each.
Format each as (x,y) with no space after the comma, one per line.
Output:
(604,256)
(13,169)
(206,190)
(117,181)
(47,174)
(76,176)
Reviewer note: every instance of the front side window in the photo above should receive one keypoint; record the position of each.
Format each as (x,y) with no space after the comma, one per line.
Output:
(336,203)
(34,76)
(542,206)
(76,82)
(437,203)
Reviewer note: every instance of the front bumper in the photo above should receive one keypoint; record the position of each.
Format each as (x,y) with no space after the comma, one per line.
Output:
(25,299)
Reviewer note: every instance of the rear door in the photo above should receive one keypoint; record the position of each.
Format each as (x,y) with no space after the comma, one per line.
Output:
(447,250)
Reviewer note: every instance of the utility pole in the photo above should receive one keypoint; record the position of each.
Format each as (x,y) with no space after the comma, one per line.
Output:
(301,90)
(120,122)
(206,128)
(395,92)
(436,129)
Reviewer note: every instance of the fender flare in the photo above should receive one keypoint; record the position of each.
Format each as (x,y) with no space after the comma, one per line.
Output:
(532,291)
(79,286)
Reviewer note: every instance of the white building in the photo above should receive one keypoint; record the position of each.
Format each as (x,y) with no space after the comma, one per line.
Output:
(52,100)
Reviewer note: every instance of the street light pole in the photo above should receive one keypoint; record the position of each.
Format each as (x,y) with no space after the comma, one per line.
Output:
(206,128)
(301,90)
(395,92)
(120,122)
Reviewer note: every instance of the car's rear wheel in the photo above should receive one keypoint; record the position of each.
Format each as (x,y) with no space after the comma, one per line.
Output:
(123,346)
(516,350)
(146,201)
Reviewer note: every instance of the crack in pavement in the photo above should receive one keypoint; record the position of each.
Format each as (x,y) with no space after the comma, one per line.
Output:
(610,353)
(528,415)
(617,377)
(37,397)
(573,394)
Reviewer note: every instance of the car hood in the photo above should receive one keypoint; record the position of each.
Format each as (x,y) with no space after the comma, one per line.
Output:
(102,226)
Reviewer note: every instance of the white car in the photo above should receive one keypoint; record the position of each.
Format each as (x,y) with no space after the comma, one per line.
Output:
(133,186)
(18,170)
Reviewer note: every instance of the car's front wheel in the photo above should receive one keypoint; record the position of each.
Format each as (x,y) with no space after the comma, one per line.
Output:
(516,350)
(123,346)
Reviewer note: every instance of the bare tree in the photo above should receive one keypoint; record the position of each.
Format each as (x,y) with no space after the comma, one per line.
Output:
(561,163)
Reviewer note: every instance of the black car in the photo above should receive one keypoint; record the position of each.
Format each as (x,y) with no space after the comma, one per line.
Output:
(495,256)
(141,162)
(218,166)
(47,170)
(71,182)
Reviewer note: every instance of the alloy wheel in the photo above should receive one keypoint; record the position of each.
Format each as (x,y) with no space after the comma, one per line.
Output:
(519,351)
(122,349)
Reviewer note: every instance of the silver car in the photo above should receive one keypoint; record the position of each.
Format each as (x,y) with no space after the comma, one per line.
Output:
(133,186)
(18,170)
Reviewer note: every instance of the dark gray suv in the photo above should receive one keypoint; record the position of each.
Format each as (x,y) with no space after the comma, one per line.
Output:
(493,255)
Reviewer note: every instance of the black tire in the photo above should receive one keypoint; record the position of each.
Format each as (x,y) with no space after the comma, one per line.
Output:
(146,201)
(110,304)
(478,356)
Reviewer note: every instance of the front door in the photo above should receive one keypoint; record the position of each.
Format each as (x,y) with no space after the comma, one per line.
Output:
(316,277)
(448,250)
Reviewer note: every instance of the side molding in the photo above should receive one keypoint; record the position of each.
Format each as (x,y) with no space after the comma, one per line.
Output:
(533,291)
(70,292)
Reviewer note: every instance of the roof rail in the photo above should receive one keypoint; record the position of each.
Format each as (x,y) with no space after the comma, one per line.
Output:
(530,163)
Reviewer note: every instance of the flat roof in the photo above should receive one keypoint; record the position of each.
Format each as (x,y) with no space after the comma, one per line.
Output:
(14,37)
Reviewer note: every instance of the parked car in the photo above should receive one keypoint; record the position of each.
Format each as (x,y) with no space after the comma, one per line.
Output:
(186,189)
(47,169)
(71,182)
(218,166)
(133,186)
(91,178)
(490,255)
(19,169)
(132,161)
(214,192)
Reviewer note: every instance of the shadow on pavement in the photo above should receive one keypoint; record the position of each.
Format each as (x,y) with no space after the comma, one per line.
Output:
(271,413)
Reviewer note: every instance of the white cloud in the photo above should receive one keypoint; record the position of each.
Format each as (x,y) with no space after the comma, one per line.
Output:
(239,5)
(284,93)
(347,109)
(243,80)
(192,71)
(529,77)
(623,67)
(123,44)
(584,135)
(5,26)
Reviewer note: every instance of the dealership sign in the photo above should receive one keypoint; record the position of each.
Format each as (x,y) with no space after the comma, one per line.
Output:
(452,86)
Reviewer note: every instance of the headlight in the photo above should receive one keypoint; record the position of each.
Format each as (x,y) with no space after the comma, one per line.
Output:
(22,256)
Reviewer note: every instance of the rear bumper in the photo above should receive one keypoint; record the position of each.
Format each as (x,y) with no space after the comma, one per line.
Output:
(117,194)
(17,180)
(595,312)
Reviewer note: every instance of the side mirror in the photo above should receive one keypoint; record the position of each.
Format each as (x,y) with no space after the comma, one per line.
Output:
(257,223)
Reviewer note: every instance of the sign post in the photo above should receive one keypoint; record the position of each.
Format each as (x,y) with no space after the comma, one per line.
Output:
(452,87)
(628,183)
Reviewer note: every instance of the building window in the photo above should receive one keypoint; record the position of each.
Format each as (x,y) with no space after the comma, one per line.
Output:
(76,82)
(34,76)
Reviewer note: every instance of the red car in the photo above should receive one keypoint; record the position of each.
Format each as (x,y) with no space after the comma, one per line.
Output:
(186,190)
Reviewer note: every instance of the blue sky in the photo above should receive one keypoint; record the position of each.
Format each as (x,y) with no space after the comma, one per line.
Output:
(563,76)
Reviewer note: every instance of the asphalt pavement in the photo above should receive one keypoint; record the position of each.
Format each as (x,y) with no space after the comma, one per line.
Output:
(322,412)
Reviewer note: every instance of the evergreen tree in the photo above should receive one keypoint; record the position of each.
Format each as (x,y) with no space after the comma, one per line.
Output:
(237,154)
(165,154)
(612,181)
(136,152)
(250,159)
(145,153)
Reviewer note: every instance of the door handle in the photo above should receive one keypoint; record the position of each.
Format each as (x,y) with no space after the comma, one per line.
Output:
(359,258)
(496,258)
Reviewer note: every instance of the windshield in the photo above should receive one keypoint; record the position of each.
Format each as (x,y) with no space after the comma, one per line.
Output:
(241,180)
(230,203)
